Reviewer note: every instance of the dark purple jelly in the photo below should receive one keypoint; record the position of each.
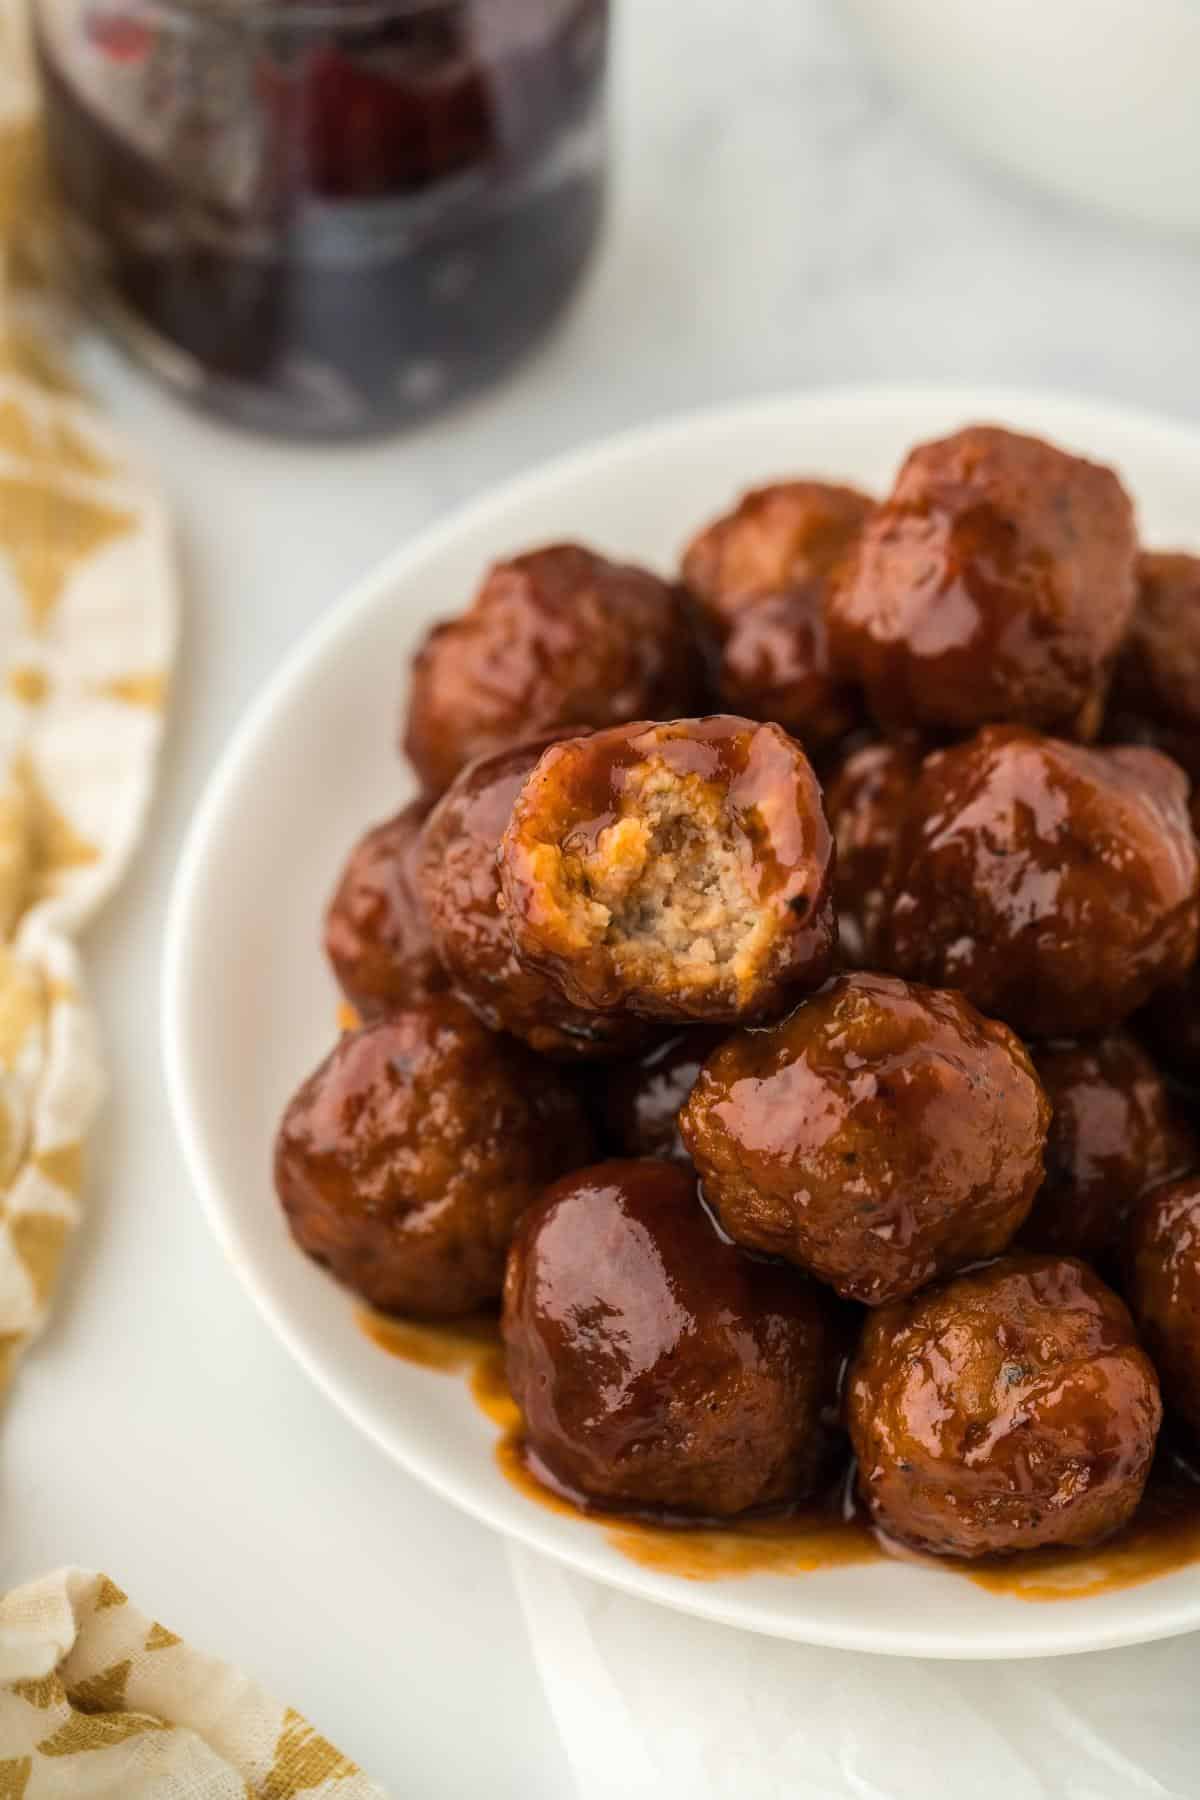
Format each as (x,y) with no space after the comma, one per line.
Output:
(333,218)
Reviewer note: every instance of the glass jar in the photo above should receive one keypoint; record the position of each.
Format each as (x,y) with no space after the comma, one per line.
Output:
(326,218)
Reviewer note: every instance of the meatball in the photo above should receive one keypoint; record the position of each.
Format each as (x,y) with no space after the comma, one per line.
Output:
(1156,688)
(1164,1289)
(878,1136)
(460,887)
(995,584)
(775,665)
(1112,1135)
(680,871)
(1058,887)
(642,1099)
(405,1161)
(376,933)
(786,538)
(559,637)
(865,802)
(656,1366)
(1008,1409)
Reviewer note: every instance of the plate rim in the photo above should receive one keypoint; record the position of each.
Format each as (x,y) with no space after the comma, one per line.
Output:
(253,725)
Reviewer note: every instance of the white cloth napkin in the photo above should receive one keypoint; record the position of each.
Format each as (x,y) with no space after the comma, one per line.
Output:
(653,1705)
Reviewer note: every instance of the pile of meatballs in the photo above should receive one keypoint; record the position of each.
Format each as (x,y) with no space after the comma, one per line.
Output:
(783,999)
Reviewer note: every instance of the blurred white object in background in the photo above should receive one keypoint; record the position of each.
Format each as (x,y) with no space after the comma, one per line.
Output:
(1098,100)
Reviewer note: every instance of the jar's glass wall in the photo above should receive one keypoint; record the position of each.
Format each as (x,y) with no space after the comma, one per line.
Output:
(327,219)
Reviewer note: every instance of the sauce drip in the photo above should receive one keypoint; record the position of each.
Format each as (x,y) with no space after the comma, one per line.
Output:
(1164,1536)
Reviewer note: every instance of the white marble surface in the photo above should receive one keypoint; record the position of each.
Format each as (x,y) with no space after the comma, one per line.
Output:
(779,220)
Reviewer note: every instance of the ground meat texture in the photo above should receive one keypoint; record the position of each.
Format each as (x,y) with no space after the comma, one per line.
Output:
(642,1099)
(866,801)
(1009,1409)
(1156,689)
(994,585)
(559,637)
(377,936)
(679,872)
(1056,886)
(1164,1290)
(460,885)
(1113,1134)
(775,665)
(655,1366)
(785,538)
(879,1136)
(405,1161)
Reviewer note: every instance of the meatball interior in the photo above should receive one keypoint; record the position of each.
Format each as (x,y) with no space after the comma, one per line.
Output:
(679,871)
(878,1136)
(1007,1409)
(655,1366)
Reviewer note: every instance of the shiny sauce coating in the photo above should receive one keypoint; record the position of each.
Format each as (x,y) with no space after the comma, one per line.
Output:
(830,1533)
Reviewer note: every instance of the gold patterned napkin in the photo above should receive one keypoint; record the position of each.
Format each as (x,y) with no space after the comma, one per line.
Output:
(87,634)
(98,1702)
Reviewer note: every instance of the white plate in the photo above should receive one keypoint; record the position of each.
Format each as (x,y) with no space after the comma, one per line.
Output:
(249,1006)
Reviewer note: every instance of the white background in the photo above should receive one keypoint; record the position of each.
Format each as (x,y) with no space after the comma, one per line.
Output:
(779,219)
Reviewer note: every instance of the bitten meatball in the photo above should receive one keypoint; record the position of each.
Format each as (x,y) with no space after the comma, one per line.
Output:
(1056,886)
(642,1099)
(405,1161)
(1007,1409)
(995,584)
(866,801)
(680,871)
(775,665)
(786,538)
(558,637)
(1165,1290)
(376,932)
(460,886)
(878,1136)
(1156,688)
(654,1365)
(1113,1134)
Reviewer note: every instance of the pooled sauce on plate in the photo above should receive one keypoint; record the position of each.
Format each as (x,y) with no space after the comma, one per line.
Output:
(1164,1536)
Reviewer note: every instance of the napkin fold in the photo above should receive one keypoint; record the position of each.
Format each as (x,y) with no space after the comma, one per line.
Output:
(652,1704)
(87,637)
(99,1702)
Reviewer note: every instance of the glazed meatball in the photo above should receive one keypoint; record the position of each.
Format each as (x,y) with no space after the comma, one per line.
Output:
(786,538)
(1008,1409)
(995,585)
(775,665)
(1165,1290)
(460,887)
(405,1161)
(1056,886)
(878,1136)
(1156,688)
(654,1365)
(559,637)
(642,1099)
(1113,1134)
(376,931)
(865,801)
(680,871)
